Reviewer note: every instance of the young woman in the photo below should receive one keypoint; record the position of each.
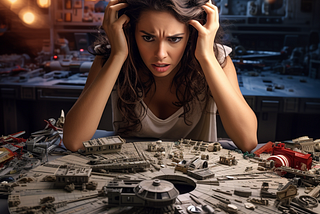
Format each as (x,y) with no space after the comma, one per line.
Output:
(165,72)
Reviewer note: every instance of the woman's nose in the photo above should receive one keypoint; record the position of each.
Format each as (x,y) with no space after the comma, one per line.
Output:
(161,52)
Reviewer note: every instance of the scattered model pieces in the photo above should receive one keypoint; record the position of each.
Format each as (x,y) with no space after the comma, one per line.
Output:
(144,177)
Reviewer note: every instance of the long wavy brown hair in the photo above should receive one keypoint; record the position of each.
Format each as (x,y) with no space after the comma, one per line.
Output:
(189,81)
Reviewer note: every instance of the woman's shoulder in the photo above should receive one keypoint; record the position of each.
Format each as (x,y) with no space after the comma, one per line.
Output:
(222,52)
(224,49)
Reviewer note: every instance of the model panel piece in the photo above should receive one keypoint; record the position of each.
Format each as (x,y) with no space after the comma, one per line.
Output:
(135,166)
(201,174)
(66,175)
(103,145)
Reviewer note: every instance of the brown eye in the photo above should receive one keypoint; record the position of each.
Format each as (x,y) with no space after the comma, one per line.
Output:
(147,38)
(175,39)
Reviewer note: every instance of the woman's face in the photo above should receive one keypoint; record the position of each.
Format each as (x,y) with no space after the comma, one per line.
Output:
(161,41)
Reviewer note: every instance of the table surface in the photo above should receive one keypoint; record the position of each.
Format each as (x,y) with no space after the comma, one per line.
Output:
(242,179)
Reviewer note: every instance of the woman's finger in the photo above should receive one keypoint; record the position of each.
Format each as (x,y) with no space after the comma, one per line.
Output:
(212,14)
(196,25)
(111,11)
(110,4)
(123,19)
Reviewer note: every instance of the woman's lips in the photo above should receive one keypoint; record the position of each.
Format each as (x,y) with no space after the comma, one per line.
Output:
(161,67)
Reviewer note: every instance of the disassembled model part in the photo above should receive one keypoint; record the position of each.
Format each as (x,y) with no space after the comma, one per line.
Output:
(48,199)
(288,192)
(242,193)
(195,163)
(249,206)
(228,159)
(221,199)
(214,147)
(194,209)
(206,208)
(61,120)
(315,191)
(301,209)
(224,192)
(308,201)
(103,145)
(229,208)
(258,201)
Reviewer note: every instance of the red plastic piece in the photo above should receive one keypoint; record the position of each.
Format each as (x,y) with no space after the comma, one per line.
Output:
(267,148)
(291,158)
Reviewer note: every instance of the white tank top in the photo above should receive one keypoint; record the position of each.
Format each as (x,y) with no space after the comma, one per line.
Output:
(203,125)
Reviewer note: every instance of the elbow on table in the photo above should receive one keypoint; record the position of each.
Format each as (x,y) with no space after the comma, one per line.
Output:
(249,145)
(248,140)
(71,144)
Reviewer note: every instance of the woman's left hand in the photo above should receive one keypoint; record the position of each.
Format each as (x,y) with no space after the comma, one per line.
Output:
(206,32)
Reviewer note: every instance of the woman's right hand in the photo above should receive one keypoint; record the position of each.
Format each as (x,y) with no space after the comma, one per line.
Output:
(113,26)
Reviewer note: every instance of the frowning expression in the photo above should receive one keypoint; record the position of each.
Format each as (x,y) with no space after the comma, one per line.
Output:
(161,40)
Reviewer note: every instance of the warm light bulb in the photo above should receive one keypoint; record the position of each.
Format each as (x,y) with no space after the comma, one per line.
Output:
(44,3)
(28,17)
(12,1)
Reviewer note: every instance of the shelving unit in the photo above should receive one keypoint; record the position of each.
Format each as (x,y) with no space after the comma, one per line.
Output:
(74,16)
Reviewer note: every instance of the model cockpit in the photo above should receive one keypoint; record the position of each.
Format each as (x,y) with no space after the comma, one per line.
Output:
(148,193)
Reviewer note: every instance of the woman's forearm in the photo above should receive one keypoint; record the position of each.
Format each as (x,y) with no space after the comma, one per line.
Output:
(237,117)
(83,118)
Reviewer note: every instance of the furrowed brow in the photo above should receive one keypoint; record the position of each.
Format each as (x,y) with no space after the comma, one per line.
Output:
(177,35)
(149,34)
